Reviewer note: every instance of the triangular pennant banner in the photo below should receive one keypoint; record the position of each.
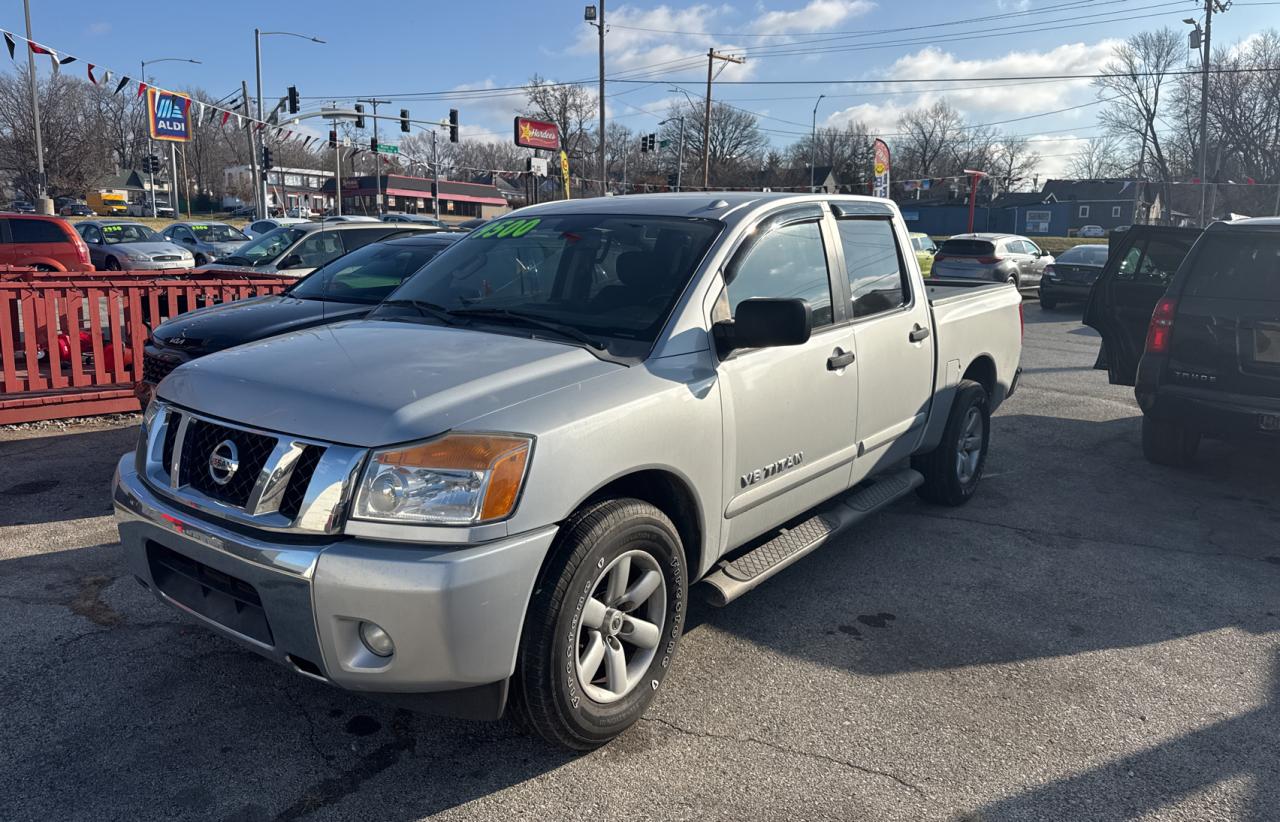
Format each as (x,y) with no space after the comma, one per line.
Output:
(65,60)
(124,81)
(89,68)
(36,48)
(226,115)
(8,41)
(142,89)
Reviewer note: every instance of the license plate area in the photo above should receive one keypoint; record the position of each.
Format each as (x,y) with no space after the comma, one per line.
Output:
(1269,422)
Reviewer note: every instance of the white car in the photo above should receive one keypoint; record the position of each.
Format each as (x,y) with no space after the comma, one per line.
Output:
(300,212)
(1092,231)
(260,227)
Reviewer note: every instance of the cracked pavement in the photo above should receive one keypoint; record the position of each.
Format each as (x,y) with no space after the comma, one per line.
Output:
(1092,637)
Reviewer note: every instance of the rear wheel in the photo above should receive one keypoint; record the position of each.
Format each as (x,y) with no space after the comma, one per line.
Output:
(953,469)
(1046,302)
(602,626)
(1168,443)
(1013,280)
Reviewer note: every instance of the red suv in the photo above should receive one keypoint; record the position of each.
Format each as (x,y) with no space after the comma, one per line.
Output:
(43,243)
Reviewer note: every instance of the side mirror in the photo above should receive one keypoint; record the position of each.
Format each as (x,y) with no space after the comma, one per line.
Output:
(292,261)
(764,323)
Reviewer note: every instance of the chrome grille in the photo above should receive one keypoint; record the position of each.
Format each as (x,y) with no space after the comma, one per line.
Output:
(202,437)
(281,483)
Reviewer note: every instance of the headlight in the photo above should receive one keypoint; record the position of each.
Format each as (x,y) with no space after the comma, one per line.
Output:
(458,479)
(141,258)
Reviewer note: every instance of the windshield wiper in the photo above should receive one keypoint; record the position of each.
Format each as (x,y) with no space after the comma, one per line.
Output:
(518,317)
(425,308)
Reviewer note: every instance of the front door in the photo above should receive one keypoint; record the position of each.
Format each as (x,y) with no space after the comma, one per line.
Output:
(790,412)
(1036,261)
(1135,278)
(892,331)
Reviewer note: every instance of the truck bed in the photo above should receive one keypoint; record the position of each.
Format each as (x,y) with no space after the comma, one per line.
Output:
(948,291)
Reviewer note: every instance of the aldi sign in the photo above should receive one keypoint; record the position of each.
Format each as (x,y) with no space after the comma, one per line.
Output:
(169,115)
(537,134)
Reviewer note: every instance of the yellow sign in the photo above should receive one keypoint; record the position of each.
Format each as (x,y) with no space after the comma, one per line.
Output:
(564,172)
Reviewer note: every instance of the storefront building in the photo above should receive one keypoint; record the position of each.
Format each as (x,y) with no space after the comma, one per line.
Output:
(414,195)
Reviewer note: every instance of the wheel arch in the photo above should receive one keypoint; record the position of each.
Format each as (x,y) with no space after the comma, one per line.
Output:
(670,492)
(982,371)
(45,261)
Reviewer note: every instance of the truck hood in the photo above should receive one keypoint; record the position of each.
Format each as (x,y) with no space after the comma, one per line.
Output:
(220,326)
(376,383)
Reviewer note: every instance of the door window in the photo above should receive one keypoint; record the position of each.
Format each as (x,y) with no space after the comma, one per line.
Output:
(1084,211)
(91,234)
(1030,247)
(877,281)
(318,248)
(786,263)
(1152,262)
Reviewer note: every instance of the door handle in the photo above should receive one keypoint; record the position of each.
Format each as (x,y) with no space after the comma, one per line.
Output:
(918,333)
(839,359)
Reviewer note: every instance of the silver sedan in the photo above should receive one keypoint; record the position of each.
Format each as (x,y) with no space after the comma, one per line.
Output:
(207,241)
(116,245)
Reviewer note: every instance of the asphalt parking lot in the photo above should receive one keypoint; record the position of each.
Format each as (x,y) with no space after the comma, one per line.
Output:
(1092,637)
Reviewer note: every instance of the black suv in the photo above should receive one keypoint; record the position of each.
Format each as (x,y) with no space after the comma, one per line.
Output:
(1211,359)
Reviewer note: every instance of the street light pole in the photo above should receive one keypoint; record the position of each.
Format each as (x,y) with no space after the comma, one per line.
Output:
(679,149)
(1205,54)
(257,55)
(377,158)
(813,145)
(42,194)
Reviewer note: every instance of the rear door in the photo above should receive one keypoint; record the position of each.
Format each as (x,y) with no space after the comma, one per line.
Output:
(1137,273)
(892,333)
(37,239)
(1226,328)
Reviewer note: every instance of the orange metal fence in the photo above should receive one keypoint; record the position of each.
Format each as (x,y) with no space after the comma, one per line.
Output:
(71,342)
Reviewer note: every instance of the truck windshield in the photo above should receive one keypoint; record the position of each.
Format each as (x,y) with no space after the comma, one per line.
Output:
(611,278)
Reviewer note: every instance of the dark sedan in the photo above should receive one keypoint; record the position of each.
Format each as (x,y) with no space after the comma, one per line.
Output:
(1069,278)
(345,289)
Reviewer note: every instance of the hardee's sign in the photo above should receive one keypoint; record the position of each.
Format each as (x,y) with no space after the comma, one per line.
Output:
(537,134)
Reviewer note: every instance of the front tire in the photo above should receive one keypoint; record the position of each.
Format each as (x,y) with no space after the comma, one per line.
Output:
(113,264)
(603,624)
(200,260)
(953,469)
(1168,443)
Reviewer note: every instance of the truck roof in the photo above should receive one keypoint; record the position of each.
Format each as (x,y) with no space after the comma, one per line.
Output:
(711,204)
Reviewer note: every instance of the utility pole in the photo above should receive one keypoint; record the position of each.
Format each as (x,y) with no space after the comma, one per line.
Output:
(42,193)
(173,179)
(712,57)
(377,158)
(337,167)
(248,133)
(1205,54)
(435,169)
(604,174)
(262,188)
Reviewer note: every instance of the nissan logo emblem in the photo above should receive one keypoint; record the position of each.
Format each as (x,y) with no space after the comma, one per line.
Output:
(224,460)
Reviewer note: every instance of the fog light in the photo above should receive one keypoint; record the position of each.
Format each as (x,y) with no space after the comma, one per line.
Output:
(376,640)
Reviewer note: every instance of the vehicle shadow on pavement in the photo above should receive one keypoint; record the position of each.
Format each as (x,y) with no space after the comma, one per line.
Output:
(166,720)
(1083,548)
(60,475)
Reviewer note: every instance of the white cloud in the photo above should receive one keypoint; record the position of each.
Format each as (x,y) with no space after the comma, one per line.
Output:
(818,15)
(1069,58)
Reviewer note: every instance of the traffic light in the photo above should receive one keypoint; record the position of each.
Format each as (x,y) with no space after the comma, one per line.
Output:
(266,158)
(333,138)
(373,144)
(648,141)
(151,164)
(453,125)
(293,100)
(404,121)
(359,116)
(653,141)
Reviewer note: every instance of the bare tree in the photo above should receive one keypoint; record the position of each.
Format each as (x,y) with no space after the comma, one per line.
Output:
(846,151)
(737,145)
(75,156)
(572,108)
(1013,162)
(1099,158)
(1135,79)
(927,145)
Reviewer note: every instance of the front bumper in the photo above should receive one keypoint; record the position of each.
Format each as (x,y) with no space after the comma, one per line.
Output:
(152,265)
(454,613)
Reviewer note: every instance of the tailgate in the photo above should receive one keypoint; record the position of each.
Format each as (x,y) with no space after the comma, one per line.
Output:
(1226,332)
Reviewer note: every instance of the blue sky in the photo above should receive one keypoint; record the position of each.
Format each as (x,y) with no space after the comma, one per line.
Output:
(404,50)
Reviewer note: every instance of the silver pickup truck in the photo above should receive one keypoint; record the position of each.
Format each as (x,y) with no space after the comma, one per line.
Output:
(499,486)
